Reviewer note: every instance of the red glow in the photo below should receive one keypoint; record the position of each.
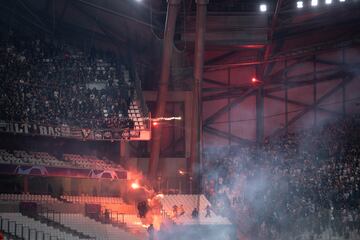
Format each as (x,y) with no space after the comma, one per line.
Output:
(254,80)
(155,124)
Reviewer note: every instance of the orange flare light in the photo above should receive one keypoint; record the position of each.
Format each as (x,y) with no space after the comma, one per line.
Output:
(135,185)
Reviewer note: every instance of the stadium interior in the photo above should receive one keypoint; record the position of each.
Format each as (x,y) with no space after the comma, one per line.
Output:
(180,119)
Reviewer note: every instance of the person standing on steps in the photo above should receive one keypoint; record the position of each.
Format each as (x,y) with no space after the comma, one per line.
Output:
(208,212)
(151,231)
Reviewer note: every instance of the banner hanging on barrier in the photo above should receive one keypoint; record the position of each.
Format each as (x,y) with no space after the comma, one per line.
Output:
(48,171)
(73,132)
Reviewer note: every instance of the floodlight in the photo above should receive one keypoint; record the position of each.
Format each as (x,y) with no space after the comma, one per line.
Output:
(263,7)
(299,4)
(341,0)
(314,3)
(328,2)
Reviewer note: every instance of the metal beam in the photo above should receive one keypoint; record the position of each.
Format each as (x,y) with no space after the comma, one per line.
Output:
(260,115)
(300,104)
(269,45)
(195,164)
(220,58)
(25,19)
(293,53)
(275,85)
(279,85)
(281,72)
(232,93)
(172,11)
(105,29)
(115,13)
(32,13)
(227,136)
(228,107)
(207,80)
(312,106)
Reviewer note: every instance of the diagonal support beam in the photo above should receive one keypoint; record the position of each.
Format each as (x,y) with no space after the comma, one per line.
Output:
(228,107)
(207,80)
(293,84)
(231,93)
(300,104)
(227,136)
(312,106)
(281,72)
(220,58)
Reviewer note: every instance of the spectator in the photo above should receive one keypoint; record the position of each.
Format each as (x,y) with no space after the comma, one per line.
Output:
(310,178)
(181,210)
(107,216)
(51,82)
(195,214)
(208,212)
(151,232)
(175,211)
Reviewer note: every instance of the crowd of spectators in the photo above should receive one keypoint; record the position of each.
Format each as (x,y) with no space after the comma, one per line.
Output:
(303,182)
(49,81)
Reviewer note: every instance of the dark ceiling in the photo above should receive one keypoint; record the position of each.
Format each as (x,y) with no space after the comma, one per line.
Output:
(238,26)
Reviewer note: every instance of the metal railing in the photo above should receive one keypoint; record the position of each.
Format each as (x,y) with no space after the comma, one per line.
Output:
(20,231)
(49,214)
(115,217)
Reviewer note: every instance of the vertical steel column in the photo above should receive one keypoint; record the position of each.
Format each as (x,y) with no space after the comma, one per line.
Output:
(315,92)
(173,6)
(228,103)
(260,115)
(286,98)
(196,128)
(343,88)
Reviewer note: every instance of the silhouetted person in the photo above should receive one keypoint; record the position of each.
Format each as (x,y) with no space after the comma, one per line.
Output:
(150,231)
(181,210)
(142,209)
(195,213)
(175,211)
(107,216)
(208,212)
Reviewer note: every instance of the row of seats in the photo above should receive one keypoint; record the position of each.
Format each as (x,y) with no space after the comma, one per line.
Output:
(31,229)
(93,199)
(111,203)
(91,162)
(135,115)
(70,160)
(32,158)
(27,197)
(95,229)
(190,202)
(132,221)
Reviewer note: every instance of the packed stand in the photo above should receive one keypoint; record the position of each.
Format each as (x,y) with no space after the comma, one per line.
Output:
(51,82)
(301,182)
